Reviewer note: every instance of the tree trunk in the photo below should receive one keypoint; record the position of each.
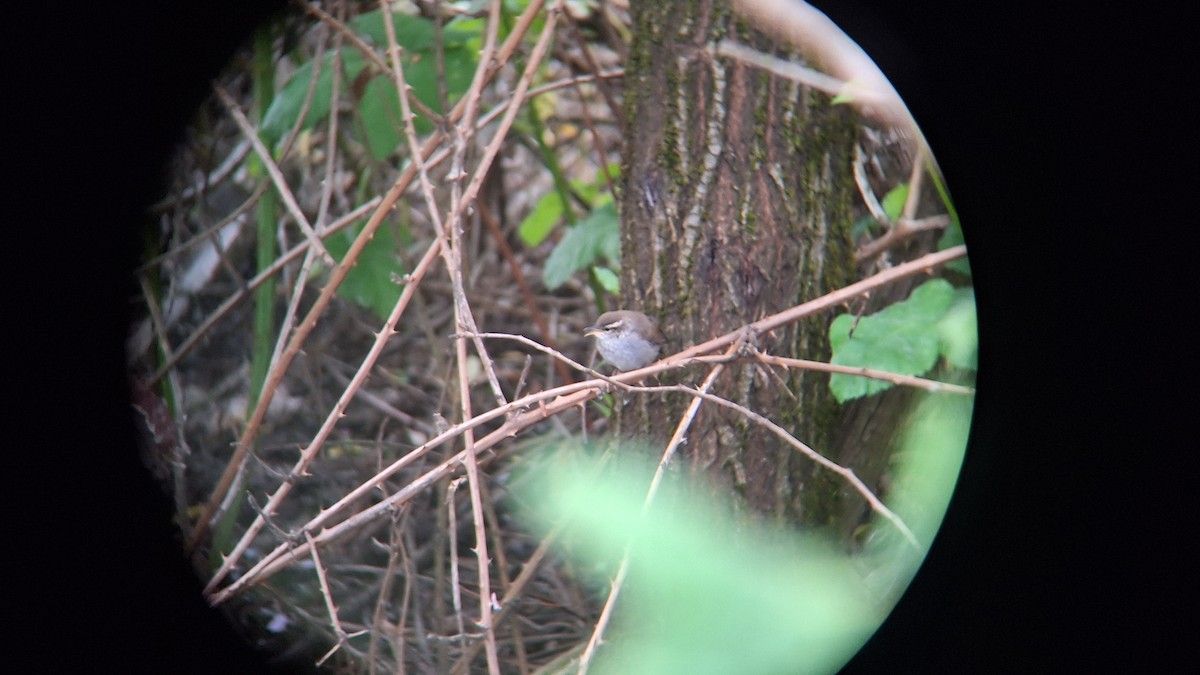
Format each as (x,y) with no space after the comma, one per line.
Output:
(736,199)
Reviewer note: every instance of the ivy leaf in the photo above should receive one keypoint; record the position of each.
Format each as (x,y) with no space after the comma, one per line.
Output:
(594,238)
(904,339)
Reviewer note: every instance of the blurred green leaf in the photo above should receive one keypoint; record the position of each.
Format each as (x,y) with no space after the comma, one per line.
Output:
(865,226)
(589,191)
(893,201)
(380,114)
(614,172)
(548,211)
(924,474)
(705,592)
(608,279)
(285,109)
(380,103)
(541,220)
(420,71)
(379,106)
(953,236)
(959,331)
(369,282)
(902,339)
(595,238)
(413,32)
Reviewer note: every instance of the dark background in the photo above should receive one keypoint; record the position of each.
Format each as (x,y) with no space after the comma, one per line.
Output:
(1054,550)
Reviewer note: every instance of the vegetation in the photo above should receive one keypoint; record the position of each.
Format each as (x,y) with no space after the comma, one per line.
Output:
(383,240)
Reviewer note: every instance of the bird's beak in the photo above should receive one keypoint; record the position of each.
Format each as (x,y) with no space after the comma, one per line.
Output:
(593,330)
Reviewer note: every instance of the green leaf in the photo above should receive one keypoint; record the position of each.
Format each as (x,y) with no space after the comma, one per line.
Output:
(549,209)
(380,104)
(893,201)
(281,116)
(867,225)
(608,279)
(541,220)
(705,593)
(369,282)
(953,236)
(614,172)
(903,339)
(379,107)
(379,110)
(420,72)
(413,33)
(596,237)
(959,331)
(845,94)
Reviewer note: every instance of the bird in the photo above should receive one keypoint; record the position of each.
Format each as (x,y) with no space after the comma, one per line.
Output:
(627,339)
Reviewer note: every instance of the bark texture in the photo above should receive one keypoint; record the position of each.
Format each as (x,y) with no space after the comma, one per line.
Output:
(736,203)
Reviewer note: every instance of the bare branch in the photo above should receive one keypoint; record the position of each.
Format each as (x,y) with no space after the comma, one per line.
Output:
(534,408)
(277,178)
(894,378)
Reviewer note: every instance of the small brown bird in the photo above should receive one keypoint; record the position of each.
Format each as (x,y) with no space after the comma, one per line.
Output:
(627,339)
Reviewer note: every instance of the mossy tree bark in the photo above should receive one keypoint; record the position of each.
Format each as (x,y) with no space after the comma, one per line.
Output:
(736,198)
